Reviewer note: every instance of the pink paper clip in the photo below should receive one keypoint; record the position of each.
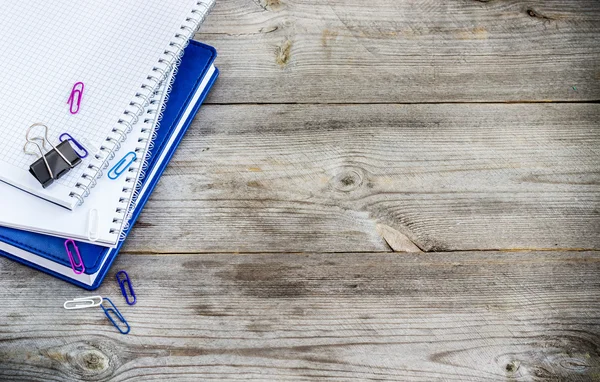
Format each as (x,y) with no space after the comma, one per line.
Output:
(75,97)
(74,266)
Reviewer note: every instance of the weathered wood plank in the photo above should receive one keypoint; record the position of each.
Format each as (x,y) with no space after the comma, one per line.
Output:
(479,316)
(396,51)
(296,178)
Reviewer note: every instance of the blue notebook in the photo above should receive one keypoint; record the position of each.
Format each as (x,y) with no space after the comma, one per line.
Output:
(192,83)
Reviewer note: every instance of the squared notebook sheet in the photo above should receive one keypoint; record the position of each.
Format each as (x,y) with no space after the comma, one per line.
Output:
(107,205)
(45,253)
(120,50)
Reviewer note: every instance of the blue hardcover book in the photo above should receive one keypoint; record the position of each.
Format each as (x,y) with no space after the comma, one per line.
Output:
(192,83)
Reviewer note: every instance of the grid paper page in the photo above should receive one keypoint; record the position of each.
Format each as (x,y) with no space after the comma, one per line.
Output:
(26,212)
(48,46)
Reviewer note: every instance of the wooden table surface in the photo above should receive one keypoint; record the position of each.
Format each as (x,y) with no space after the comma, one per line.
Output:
(398,190)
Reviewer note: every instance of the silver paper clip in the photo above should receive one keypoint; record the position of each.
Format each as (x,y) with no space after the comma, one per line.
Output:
(83,302)
(93,233)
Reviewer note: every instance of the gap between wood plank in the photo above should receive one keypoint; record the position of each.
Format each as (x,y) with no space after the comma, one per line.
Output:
(595,101)
(178,253)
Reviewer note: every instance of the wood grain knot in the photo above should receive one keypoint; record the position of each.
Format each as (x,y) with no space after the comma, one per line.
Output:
(513,366)
(283,53)
(90,362)
(81,359)
(555,358)
(535,14)
(268,5)
(347,180)
(578,365)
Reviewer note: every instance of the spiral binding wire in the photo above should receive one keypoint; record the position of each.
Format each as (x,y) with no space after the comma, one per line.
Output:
(137,172)
(166,64)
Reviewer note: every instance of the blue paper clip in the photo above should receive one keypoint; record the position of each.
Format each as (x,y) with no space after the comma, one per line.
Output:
(77,144)
(122,165)
(117,314)
(122,283)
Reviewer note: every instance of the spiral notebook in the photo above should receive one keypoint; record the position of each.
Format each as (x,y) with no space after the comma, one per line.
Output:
(193,81)
(120,50)
(100,219)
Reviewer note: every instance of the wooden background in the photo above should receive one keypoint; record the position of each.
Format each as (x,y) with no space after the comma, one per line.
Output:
(383,190)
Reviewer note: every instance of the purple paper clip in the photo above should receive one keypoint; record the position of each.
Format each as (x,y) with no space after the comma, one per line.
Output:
(77,144)
(122,165)
(122,283)
(75,97)
(74,266)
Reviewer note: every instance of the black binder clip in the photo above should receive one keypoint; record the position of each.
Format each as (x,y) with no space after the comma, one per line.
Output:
(55,163)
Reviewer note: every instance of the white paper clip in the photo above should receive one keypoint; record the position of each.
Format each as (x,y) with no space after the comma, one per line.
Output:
(83,302)
(90,147)
(93,223)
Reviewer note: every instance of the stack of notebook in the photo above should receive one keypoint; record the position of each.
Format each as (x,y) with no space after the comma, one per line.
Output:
(92,113)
